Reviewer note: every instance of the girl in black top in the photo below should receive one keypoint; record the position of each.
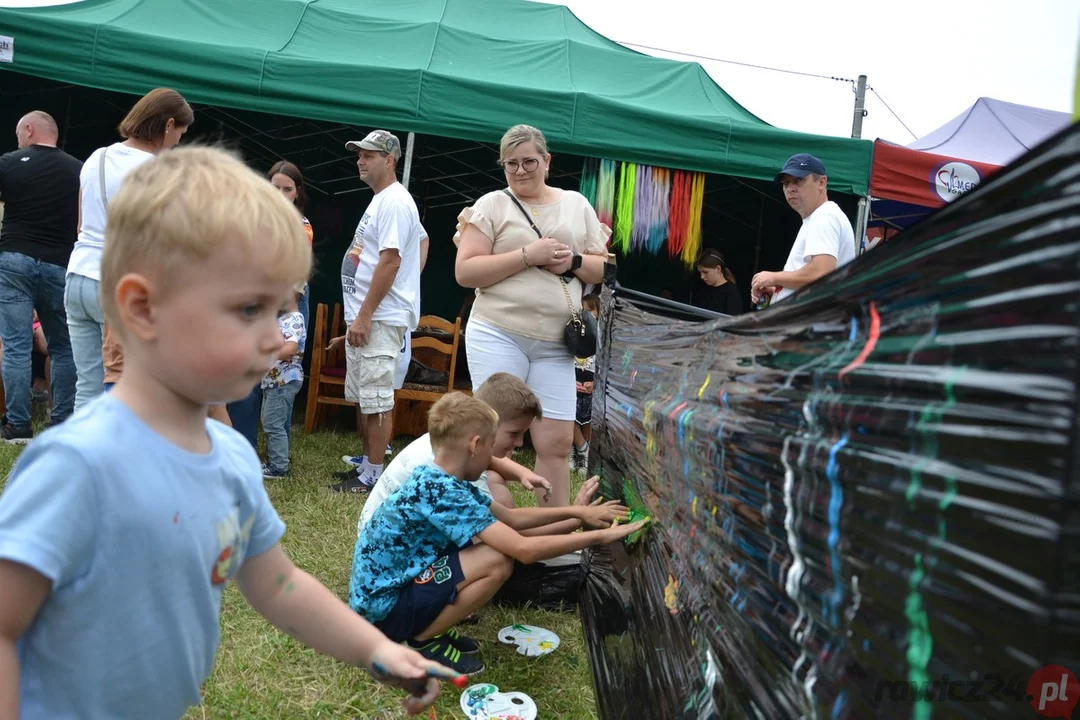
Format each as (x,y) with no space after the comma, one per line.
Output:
(720,293)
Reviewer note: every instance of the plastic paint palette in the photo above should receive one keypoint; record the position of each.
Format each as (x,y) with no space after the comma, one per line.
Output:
(531,641)
(485,702)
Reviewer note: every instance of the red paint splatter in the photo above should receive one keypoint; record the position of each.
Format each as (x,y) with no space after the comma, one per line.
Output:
(871,341)
(176,519)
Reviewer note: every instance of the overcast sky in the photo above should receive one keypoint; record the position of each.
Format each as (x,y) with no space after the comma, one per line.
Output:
(928,59)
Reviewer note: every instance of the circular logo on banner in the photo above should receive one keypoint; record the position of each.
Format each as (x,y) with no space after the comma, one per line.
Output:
(952,179)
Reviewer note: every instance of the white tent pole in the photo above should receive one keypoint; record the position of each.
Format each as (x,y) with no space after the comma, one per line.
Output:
(407,172)
(862,221)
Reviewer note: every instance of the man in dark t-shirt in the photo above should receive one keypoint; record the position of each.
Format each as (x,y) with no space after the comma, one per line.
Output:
(39,186)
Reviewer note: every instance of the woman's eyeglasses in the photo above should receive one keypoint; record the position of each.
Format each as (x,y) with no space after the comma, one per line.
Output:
(511,166)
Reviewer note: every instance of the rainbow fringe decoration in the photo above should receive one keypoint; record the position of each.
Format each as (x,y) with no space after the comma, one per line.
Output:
(605,192)
(679,213)
(624,209)
(659,209)
(647,206)
(692,248)
(642,195)
(589,180)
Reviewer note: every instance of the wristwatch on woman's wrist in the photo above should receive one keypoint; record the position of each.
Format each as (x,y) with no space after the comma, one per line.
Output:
(575,264)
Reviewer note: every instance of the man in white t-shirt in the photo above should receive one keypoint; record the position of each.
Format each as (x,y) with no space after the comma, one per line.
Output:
(405,356)
(380,284)
(825,241)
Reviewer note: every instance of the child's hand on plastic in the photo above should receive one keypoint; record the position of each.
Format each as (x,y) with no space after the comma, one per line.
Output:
(588,489)
(401,667)
(618,532)
(604,514)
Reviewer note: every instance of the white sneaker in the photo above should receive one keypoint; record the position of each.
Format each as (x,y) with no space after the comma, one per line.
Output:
(353,460)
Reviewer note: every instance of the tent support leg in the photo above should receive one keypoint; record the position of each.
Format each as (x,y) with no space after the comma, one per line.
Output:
(863,220)
(407,172)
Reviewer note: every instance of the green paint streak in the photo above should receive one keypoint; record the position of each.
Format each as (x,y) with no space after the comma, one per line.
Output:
(920,642)
(290,587)
(520,628)
(281,579)
(638,510)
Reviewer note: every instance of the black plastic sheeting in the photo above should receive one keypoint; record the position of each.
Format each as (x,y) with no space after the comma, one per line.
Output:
(865,498)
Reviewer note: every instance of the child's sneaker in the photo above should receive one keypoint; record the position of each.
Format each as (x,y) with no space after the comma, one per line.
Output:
(353,461)
(465,645)
(358,460)
(270,473)
(579,459)
(352,481)
(441,650)
(16,436)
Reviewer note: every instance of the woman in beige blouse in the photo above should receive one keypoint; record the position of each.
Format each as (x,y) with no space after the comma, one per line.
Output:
(517,321)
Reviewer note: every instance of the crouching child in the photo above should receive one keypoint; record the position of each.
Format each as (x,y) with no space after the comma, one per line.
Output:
(438,548)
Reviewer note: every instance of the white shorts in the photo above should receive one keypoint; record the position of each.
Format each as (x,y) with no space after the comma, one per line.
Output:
(369,370)
(404,358)
(546,366)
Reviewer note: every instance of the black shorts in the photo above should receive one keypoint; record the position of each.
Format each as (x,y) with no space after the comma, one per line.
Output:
(584,409)
(421,601)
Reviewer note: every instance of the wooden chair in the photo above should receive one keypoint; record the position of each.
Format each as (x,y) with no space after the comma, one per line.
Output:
(326,381)
(412,400)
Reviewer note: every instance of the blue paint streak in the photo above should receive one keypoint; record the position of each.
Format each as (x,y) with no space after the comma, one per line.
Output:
(838,704)
(854,331)
(836,502)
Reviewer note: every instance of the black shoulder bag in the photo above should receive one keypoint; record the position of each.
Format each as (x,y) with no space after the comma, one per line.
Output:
(580,331)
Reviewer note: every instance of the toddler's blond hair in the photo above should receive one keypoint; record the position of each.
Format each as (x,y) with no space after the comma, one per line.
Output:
(457,418)
(175,210)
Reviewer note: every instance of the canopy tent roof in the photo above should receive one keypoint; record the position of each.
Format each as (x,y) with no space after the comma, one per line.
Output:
(940,166)
(993,132)
(923,179)
(465,69)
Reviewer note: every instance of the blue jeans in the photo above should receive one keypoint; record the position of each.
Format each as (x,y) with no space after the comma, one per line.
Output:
(86,326)
(304,307)
(26,284)
(245,416)
(277,412)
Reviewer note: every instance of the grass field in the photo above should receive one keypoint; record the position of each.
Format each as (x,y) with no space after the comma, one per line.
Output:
(263,674)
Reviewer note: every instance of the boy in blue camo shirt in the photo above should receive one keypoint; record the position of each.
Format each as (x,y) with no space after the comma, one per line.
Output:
(437,548)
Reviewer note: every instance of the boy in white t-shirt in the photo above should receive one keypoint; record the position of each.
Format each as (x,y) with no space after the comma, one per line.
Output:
(825,240)
(120,528)
(279,390)
(517,408)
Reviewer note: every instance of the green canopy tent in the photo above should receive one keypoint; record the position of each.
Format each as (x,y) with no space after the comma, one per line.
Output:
(464,69)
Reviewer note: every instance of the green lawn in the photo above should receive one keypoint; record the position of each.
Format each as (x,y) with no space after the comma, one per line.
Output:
(263,674)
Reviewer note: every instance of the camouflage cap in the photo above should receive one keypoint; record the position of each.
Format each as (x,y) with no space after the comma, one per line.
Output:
(382,141)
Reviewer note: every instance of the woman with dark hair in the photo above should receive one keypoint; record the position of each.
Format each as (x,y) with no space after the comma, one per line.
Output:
(720,293)
(155,123)
(287,178)
(245,414)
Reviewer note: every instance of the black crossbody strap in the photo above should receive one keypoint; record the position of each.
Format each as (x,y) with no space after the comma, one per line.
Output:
(525,213)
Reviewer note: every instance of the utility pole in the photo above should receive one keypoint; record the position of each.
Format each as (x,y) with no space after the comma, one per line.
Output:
(863,213)
(860,108)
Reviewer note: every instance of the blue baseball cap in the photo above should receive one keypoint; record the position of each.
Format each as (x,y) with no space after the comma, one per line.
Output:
(800,165)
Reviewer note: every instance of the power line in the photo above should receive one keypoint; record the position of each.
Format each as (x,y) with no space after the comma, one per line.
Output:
(772,69)
(735,62)
(871,89)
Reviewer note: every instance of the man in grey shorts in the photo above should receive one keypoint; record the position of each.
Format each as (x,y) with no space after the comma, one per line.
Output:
(380,284)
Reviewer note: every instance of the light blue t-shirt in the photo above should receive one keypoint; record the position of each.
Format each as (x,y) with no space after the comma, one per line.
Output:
(139,538)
